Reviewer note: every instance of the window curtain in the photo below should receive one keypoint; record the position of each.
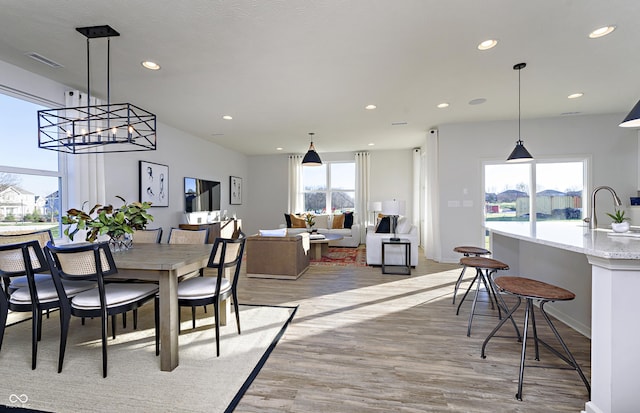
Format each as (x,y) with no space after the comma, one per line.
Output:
(295,197)
(433,246)
(415,209)
(362,191)
(86,177)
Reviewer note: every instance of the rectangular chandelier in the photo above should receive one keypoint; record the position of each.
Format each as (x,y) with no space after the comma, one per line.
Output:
(119,127)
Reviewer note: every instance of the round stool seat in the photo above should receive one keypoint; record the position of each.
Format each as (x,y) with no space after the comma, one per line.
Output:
(535,289)
(483,262)
(471,250)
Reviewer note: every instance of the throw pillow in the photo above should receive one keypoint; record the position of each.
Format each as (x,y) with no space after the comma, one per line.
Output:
(297,222)
(282,232)
(348,219)
(404,226)
(322,221)
(384,226)
(338,222)
(287,218)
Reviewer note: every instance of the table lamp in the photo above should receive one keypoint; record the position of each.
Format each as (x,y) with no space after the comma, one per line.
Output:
(393,209)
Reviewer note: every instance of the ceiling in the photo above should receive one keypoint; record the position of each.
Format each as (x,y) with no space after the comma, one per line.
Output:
(284,68)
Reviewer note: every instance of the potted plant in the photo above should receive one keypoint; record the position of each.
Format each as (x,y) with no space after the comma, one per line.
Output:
(620,222)
(310,219)
(117,223)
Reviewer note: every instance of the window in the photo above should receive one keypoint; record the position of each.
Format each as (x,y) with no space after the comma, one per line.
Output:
(30,178)
(558,195)
(329,187)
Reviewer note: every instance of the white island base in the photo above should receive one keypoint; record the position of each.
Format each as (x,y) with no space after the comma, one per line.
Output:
(563,253)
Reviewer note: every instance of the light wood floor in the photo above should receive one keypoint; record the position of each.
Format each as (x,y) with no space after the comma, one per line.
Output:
(362,341)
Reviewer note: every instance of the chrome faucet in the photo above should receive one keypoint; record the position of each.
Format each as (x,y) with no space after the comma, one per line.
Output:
(591,219)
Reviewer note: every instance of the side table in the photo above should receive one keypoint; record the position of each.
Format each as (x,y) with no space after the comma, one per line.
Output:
(404,269)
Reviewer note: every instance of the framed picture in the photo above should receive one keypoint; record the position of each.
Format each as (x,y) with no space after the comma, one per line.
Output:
(154,184)
(235,190)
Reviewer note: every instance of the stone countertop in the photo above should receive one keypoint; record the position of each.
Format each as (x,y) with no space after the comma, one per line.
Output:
(574,236)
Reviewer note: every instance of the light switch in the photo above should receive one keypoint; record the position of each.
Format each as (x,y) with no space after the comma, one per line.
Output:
(467,204)
(453,204)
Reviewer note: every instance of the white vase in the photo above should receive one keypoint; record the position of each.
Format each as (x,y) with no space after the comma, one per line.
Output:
(620,226)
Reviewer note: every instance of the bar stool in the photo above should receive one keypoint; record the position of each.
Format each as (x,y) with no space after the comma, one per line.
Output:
(540,291)
(490,266)
(467,251)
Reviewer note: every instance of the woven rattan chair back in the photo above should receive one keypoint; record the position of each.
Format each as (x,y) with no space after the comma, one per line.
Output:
(186,236)
(147,236)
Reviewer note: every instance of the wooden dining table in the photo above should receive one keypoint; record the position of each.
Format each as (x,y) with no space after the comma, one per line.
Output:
(165,264)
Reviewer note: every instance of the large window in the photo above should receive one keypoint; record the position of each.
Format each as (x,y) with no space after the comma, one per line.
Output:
(558,196)
(330,187)
(30,178)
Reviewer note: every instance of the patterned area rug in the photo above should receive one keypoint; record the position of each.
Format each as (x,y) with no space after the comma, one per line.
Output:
(342,256)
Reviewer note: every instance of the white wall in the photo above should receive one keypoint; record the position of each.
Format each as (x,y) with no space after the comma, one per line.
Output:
(186,156)
(463,148)
(391,177)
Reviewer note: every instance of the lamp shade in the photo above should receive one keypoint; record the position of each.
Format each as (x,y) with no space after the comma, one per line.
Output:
(311,158)
(520,153)
(393,207)
(633,118)
(375,206)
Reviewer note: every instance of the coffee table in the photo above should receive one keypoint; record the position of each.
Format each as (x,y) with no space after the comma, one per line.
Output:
(320,247)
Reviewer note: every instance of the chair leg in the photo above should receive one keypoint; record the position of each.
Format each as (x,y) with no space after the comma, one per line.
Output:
(458,282)
(104,343)
(36,320)
(235,308)
(4,310)
(64,331)
(113,326)
(124,320)
(156,314)
(135,318)
(464,297)
(527,310)
(216,314)
(508,316)
(479,277)
(193,317)
(40,325)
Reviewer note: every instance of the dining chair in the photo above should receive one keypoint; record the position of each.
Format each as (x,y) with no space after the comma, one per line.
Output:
(93,262)
(147,236)
(42,236)
(197,291)
(25,259)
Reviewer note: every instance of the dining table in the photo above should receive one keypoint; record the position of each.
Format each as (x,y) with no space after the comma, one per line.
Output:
(166,264)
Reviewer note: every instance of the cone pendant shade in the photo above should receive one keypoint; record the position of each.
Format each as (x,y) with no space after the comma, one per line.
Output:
(519,153)
(633,118)
(311,158)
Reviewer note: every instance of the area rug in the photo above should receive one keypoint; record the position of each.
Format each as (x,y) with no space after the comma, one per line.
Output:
(201,383)
(341,256)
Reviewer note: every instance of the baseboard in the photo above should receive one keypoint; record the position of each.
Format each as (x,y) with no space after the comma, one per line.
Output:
(277,276)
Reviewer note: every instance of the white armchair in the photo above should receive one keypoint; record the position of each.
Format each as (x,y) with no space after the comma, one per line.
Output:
(393,256)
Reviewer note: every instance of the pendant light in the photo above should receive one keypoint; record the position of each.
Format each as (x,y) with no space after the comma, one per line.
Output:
(633,118)
(520,153)
(311,158)
(113,127)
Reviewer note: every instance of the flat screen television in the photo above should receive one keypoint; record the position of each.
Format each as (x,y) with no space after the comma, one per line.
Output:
(201,195)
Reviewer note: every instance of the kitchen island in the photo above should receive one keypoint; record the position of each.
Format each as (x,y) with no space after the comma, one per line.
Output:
(603,270)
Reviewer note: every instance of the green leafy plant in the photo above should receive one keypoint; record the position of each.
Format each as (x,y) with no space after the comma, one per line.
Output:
(105,219)
(618,217)
(310,219)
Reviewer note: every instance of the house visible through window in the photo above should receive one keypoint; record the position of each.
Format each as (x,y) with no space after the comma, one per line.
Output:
(30,178)
(559,191)
(329,187)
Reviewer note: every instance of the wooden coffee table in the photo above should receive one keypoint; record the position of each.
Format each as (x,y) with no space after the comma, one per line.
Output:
(320,247)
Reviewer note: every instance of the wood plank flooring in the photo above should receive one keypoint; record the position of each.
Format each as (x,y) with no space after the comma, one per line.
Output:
(362,341)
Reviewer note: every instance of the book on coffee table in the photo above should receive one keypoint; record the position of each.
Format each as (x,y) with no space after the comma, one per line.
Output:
(316,236)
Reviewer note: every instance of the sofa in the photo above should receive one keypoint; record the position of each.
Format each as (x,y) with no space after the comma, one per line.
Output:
(395,254)
(281,257)
(324,224)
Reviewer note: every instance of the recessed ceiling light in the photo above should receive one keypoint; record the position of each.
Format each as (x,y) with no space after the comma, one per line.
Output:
(602,31)
(279,149)
(575,95)
(370,107)
(443,105)
(478,101)
(371,144)
(151,65)
(487,44)
(227,117)
(398,123)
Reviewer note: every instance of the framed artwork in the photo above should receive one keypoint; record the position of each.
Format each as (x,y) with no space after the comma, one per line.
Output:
(154,184)
(235,190)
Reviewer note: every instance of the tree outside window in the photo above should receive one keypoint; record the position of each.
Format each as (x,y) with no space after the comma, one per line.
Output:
(329,188)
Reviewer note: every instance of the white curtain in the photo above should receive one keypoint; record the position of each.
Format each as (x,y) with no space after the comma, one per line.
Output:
(433,246)
(85,172)
(362,191)
(295,200)
(415,209)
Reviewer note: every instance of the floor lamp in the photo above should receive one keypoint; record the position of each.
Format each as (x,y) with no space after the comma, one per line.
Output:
(393,209)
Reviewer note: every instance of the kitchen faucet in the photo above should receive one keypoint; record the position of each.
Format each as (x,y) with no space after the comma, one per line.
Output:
(591,219)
